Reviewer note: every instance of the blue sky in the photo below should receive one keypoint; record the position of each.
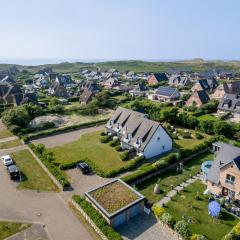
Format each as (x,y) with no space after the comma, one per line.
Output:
(114,29)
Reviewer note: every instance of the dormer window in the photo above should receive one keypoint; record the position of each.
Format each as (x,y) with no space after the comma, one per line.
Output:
(139,141)
(110,122)
(128,136)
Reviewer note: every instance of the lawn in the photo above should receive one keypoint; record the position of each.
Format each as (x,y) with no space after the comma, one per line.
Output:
(88,146)
(4,133)
(33,176)
(10,144)
(185,204)
(188,143)
(173,178)
(208,117)
(8,229)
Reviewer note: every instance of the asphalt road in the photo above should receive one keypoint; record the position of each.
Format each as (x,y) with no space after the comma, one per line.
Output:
(45,208)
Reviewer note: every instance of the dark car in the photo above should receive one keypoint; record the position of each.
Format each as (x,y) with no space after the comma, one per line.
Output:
(83,167)
(13,172)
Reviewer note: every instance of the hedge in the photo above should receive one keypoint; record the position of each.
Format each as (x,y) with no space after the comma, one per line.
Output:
(47,159)
(64,129)
(97,218)
(234,234)
(167,160)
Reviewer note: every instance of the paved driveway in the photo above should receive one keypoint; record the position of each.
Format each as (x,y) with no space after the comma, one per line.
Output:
(45,208)
(62,138)
(144,227)
(82,183)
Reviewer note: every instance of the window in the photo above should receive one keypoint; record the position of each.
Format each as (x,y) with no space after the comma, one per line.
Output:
(230,179)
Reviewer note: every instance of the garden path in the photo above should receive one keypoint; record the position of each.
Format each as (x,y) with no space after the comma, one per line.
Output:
(174,191)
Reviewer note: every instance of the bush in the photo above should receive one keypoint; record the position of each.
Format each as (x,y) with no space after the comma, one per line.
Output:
(103,134)
(234,234)
(182,228)
(198,135)
(197,237)
(158,211)
(186,134)
(167,219)
(15,129)
(124,156)
(97,218)
(118,148)
(114,143)
(105,139)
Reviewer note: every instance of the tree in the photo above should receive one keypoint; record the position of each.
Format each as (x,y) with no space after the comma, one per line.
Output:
(55,106)
(33,110)
(16,116)
(223,128)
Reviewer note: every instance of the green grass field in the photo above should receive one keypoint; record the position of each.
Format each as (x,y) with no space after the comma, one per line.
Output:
(34,177)
(89,146)
(185,204)
(10,144)
(208,117)
(4,133)
(8,229)
(171,178)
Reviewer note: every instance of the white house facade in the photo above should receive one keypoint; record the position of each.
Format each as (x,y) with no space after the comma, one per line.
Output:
(136,131)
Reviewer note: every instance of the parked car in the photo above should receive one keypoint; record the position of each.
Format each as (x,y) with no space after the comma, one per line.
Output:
(13,172)
(83,167)
(7,160)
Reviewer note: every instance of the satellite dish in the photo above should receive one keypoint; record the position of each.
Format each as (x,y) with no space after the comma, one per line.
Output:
(214,208)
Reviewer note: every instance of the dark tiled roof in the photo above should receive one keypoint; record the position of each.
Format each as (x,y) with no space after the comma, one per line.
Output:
(230,102)
(232,88)
(166,91)
(208,84)
(161,76)
(202,95)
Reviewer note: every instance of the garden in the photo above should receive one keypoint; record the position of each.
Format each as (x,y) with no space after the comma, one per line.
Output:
(10,144)
(5,133)
(191,206)
(33,176)
(172,178)
(103,155)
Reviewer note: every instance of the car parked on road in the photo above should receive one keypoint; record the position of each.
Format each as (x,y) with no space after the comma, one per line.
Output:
(83,167)
(13,172)
(7,160)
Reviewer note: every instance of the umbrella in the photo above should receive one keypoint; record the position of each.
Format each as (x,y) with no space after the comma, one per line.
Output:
(214,208)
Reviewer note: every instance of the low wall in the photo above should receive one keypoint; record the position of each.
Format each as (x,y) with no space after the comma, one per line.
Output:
(89,220)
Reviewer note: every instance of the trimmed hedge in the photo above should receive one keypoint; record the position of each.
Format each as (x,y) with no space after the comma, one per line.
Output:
(59,130)
(105,139)
(47,159)
(167,160)
(97,218)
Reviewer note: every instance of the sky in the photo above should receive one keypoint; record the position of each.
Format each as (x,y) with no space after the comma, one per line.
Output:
(119,30)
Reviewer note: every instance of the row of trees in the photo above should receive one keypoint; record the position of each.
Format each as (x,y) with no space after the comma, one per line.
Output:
(164,113)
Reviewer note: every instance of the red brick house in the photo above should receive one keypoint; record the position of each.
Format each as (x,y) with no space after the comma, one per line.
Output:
(156,78)
(198,98)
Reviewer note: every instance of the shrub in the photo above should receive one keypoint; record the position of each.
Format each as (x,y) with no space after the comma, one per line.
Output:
(124,156)
(198,135)
(234,234)
(167,219)
(158,211)
(105,139)
(103,134)
(118,148)
(182,228)
(97,218)
(197,237)
(186,134)
(114,143)
(14,129)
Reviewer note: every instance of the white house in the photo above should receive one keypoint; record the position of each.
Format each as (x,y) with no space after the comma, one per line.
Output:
(135,130)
